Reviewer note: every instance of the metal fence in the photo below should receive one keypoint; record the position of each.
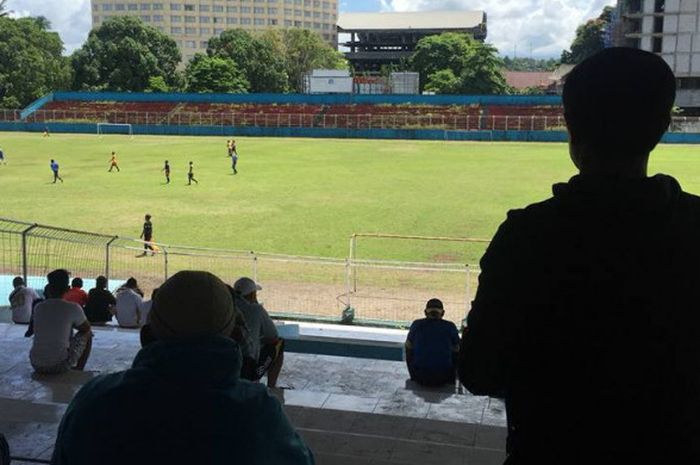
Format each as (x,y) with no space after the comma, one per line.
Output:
(385,120)
(312,288)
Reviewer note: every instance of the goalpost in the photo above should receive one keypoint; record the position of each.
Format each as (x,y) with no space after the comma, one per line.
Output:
(114,128)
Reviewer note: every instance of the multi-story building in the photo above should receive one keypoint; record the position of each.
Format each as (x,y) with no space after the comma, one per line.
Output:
(387,38)
(670,28)
(191,23)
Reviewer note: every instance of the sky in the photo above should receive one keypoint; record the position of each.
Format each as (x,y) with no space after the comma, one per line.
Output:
(537,28)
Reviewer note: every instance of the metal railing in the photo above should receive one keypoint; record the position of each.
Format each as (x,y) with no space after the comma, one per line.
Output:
(382,120)
(313,288)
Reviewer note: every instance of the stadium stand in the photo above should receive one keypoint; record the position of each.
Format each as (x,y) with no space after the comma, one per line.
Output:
(344,116)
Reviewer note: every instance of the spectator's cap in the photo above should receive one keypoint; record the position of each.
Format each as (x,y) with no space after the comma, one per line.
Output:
(192,304)
(246,286)
(434,306)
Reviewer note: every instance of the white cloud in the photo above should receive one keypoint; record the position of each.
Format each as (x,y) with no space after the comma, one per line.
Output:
(541,27)
(71,18)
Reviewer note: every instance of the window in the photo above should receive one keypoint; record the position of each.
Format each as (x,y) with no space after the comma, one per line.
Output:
(659,6)
(317,4)
(657,45)
(288,23)
(119,7)
(205,31)
(245,21)
(258,10)
(689,83)
(288,11)
(157,6)
(190,44)
(106,7)
(272,22)
(204,8)
(189,7)
(231,20)
(297,23)
(218,30)
(96,19)
(297,12)
(190,31)
(272,11)
(658,24)
(145,7)
(204,19)
(307,24)
(176,19)
(157,18)
(190,19)
(218,9)
(245,9)
(204,44)
(317,14)
(176,30)
(259,22)
(132,7)
(307,14)
(231,9)
(146,18)
(317,25)
(218,20)
(326,5)
(175,7)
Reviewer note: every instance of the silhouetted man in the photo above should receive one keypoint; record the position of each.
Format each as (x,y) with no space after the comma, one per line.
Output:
(587,318)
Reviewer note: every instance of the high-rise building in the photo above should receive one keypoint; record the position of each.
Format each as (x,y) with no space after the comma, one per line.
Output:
(191,23)
(670,28)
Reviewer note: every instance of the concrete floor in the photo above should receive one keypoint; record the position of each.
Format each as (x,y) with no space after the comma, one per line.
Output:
(350,411)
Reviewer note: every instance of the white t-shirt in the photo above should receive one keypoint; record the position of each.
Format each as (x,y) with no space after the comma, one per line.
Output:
(21,300)
(54,320)
(145,309)
(128,308)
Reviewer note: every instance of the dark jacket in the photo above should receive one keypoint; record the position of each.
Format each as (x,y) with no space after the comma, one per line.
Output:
(180,403)
(97,307)
(587,320)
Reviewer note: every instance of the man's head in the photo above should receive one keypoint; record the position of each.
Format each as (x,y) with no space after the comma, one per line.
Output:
(148,217)
(77,282)
(131,283)
(101,282)
(247,288)
(434,309)
(617,106)
(58,283)
(51,160)
(191,304)
(17,282)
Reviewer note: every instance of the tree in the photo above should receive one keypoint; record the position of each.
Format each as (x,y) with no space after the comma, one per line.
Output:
(4,12)
(215,74)
(31,64)
(590,38)
(443,82)
(303,51)
(439,52)
(257,58)
(123,55)
(530,64)
(456,63)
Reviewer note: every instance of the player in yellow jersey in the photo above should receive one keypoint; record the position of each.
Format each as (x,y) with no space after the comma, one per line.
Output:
(113,163)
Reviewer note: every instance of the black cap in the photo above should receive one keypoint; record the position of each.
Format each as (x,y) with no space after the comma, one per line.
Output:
(434,304)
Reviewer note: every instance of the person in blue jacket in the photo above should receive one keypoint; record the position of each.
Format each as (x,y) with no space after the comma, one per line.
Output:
(182,401)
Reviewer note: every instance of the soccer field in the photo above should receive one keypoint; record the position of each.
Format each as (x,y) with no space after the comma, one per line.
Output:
(292,196)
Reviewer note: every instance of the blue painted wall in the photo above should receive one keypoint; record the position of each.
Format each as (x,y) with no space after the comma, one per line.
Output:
(411,134)
(331,99)
(36,105)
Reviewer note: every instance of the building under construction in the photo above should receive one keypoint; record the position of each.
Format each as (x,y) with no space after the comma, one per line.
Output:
(380,39)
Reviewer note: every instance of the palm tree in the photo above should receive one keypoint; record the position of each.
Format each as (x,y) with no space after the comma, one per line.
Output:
(3,9)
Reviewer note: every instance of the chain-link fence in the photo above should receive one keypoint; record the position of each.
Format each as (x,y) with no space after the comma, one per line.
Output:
(310,288)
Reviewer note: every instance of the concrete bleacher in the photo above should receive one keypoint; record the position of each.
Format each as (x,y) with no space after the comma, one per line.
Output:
(349,410)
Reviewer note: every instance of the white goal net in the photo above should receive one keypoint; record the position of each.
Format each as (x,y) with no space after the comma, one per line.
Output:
(114,128)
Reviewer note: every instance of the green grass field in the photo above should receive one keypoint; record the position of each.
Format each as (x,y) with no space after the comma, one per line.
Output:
(293,196)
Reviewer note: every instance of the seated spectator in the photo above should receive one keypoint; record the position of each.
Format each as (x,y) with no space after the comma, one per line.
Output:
(432,347)
(55,349)
(76,294)
(183,393)
(22,299)
(100,303)
(264,352)
(128,306)
(145,307)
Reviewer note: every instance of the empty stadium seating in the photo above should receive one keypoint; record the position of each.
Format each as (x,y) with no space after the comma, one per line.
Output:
(359,116)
